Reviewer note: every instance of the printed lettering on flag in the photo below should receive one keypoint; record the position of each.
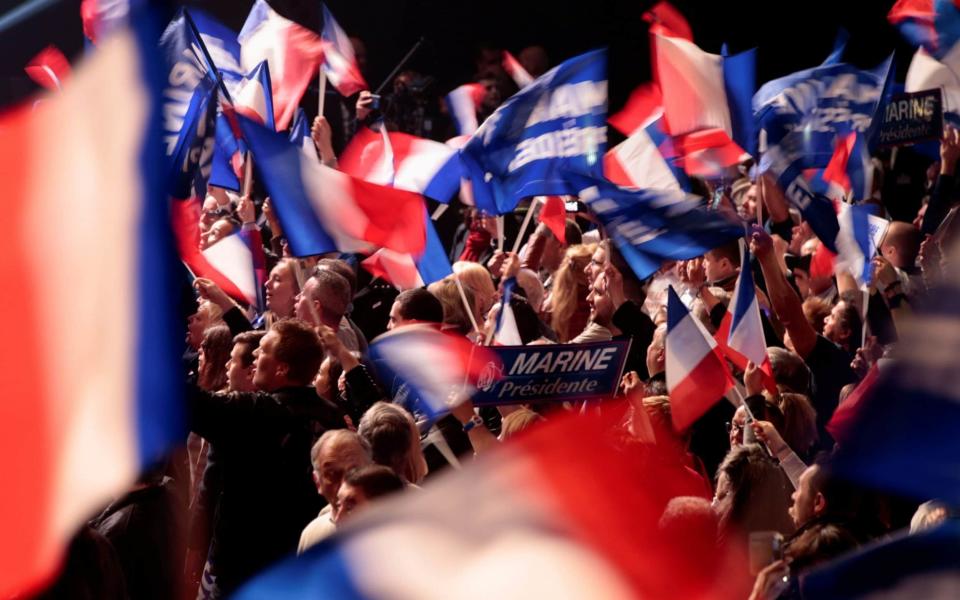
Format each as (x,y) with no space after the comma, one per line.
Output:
(553,127)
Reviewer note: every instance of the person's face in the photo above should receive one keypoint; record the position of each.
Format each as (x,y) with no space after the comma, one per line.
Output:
(349,498)
(395,319)
(716,268)
(217,232)
(596,265)
(335,462)
(196,324)
(306,309)
(656,356)
(601,306)
(552,256)
(804,498)
(736,427)
(239,377)
(281,290)
(268,373)
(799,234)
(491,97)
(209,213)
(833,329)
(748,209)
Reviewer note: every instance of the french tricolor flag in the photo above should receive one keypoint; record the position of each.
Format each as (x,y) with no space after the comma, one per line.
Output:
(407,271)
(292,51)
(707,96)
(403,161)
(50,68)
(300,131)
(339,61)
(324,210)
(933,25)
(696,374)
(463,104)
(516,71)
(252,95)
(746,340)
(432,363)
(506,332)
(643,160)
(90,371)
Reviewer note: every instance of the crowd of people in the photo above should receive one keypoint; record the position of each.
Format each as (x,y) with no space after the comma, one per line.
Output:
(294,434)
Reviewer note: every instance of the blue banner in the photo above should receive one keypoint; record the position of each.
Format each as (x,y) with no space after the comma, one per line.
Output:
(190,86)
(911,118)
(555,125)
(649,227)
(554,373)
(801,115)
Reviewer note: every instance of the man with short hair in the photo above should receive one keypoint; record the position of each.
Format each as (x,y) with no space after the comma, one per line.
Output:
(362,485)
(843,327)
(900,246)
(263,442)
(415,306)
(334,455)
(721,265)
(240,365)
(324,301)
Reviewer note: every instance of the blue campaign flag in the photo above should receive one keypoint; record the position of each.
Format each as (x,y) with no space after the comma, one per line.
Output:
(190,84)
(227,151)
(554,126)
(433,264)
(903,433)
(740,82)
(649,227)
(801,115)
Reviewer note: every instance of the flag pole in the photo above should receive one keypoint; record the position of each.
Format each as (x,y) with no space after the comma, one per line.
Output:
(526,223)
(400,65)
(466,304)
(322,95)
(500,233)
(248,174)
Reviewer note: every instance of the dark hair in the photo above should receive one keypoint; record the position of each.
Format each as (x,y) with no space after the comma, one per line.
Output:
(419,305)
(850,318)
(374,480)
(250,341)
(730,251)
(300,349)
(340,267)
(789,370)
(761,492)
(216,350)
(572,233)
(817,544)
(528,324)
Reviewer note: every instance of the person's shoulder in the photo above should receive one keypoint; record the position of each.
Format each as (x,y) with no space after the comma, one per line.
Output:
(316,530)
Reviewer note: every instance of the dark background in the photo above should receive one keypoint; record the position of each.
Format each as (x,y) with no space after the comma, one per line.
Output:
(790,36)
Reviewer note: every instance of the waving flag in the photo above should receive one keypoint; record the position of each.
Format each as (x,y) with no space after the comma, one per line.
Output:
(799,122)
(252,95)
(506,332)
(50,68)
(228,155)
(645,160)
(534,523)
(553,214)
(933,25)
(324,210)
(664,19)
(432,363)
(100,369)
(463,104)
(191,86)
(696,375)
(405,162)
(516,71)
(339,61)
(644,106)
(300,131)
(927,72)
(292,51)
(650,227)
(530,145)
(743,339)
(855,247)
(100,17)
(705,92)
(405,271)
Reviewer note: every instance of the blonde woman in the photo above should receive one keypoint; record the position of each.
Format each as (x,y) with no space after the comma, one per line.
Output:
(566,309)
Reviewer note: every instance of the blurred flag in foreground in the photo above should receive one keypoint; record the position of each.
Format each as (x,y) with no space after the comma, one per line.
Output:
(339,61)
(91,356)
(50,68)
(559,512)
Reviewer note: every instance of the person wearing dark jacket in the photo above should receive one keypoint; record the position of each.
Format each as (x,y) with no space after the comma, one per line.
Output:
(263,442)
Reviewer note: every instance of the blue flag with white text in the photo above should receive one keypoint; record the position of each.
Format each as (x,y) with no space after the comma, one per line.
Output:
(649,227)
(555,126)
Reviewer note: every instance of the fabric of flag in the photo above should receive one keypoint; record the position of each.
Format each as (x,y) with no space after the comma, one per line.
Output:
(905,565)
(300,130)
(933,25)
(664,19)
(927,73)
(191,85)
(799,125)
(100,17)
(904,436)
(463,104)
(696,374)
(706,92)
(324,210)
(431,363)
(722,337)
(553,214)
(854,244)
(649,227)
(844,418)
(506,332)
(405,162)
(405,271)
(533,522)
(516,71)
(645,160)
(50,68)
(251,95)
(746,330)
(534,140)
(228,156)
(92,360)
(644,105)
(339,61)
(850,168)
(292,51)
